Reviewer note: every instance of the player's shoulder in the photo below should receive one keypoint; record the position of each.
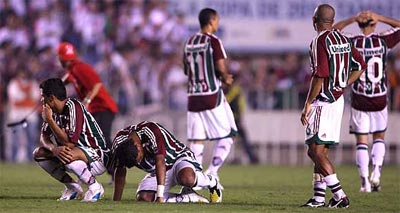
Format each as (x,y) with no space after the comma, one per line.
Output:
(389,32)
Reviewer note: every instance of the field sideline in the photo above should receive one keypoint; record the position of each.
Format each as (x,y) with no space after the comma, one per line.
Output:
(26,188)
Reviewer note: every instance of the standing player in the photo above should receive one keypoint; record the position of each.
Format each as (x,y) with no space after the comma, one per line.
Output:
(88,85)
(70,140)
(369,93)
(168,162)
(335,64)
(209,114)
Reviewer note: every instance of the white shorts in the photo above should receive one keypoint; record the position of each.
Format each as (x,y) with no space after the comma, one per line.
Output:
(368,122)
(211,124)
(324,122)
(149,182)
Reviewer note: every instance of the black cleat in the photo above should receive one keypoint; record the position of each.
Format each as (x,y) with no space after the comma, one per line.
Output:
(313,203)
(376,187)
(343,202)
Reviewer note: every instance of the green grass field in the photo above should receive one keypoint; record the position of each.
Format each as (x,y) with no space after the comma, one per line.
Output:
(27,188)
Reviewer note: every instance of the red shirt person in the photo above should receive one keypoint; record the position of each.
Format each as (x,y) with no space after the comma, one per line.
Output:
(89,87)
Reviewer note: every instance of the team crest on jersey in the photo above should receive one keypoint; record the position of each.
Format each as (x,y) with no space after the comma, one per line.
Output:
(340,48)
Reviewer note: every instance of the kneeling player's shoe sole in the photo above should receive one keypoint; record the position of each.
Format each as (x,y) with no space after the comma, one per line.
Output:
(343,202)
(312,203)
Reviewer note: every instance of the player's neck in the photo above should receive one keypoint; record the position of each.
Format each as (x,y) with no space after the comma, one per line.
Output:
(207,30)
(367,31)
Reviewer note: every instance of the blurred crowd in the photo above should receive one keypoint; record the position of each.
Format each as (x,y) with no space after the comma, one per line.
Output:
(136,47)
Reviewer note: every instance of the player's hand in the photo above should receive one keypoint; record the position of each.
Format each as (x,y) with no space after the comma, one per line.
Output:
(160,200)
(305,113)
(47,113)
(227,79)
(63,153)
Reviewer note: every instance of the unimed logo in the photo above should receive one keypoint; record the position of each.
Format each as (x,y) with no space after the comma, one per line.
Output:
(340,48)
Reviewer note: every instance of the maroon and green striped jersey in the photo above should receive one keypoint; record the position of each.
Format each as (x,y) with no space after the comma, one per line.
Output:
(369,92)
(201,51)
(80,126)
(156,140)
(333,57)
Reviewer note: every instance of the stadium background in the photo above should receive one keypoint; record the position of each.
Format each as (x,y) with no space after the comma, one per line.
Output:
(136,47)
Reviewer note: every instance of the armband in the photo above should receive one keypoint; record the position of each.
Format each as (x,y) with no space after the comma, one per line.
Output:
(160,190)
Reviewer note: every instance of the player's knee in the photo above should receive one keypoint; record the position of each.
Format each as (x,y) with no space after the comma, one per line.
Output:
(186,177)
(145,196)
(39,154)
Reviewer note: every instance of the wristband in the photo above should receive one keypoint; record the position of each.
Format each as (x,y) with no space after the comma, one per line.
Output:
(160,190)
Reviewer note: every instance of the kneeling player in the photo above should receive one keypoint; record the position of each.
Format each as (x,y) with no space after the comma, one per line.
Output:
(71,141)
(168,162)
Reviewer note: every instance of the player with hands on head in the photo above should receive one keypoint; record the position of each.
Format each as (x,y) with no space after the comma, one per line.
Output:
(369,113)
(335,64)
(70,140)
(209,115)
(168,162)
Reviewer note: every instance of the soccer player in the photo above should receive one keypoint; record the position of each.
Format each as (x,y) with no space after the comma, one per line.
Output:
(90,90)
(369,93)
(209,114)
(335,64)
(168,162)
(71,141)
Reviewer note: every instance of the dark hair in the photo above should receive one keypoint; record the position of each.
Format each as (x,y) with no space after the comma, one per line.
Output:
(206,15)
(54,86)
(125,154)
(365,24)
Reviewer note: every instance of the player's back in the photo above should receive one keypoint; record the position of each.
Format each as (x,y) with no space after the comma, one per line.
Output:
(331,58)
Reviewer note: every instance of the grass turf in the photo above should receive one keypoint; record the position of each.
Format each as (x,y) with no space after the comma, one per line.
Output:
(27,188)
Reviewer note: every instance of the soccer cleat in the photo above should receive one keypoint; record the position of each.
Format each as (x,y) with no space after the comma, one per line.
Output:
(313,203)
(215,191)
(193,197)
(94,193)
(365,185)
(343,202)
(375,182)
(71,193)
(207,172)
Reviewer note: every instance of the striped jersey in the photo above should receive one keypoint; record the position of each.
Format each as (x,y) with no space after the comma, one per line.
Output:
(80,126)
(201,51)
(333,57)
(369,92)
(155,140)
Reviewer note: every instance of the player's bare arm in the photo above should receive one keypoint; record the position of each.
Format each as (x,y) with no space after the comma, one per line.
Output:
(387,20)
(221,68)
(342,24)
(58,132)
(119,183)
(314,90)
(92,94)
(160,174)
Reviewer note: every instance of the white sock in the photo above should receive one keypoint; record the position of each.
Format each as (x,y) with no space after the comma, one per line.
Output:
(57,171)
(203,180)
(221,152)
(319,187)
(378,154)
(333,183)
(197,149)
(81,170)
(362,160)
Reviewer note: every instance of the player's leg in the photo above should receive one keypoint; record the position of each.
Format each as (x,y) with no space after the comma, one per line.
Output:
(360,126)
(80,168)
(196,134)
(197,148)
(54,167)
(362,161)
(378,128)
(221,152)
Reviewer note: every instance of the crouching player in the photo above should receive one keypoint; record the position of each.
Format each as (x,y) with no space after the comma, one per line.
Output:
(71,141)
(168,162)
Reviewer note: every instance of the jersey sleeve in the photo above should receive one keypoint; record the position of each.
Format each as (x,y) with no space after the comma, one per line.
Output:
(391,37)
(75,121)
(321,58)
(86,76)
(218,49)
(157,139)
(357,61)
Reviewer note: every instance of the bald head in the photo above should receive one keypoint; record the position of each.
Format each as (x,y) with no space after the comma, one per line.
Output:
(324,14)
